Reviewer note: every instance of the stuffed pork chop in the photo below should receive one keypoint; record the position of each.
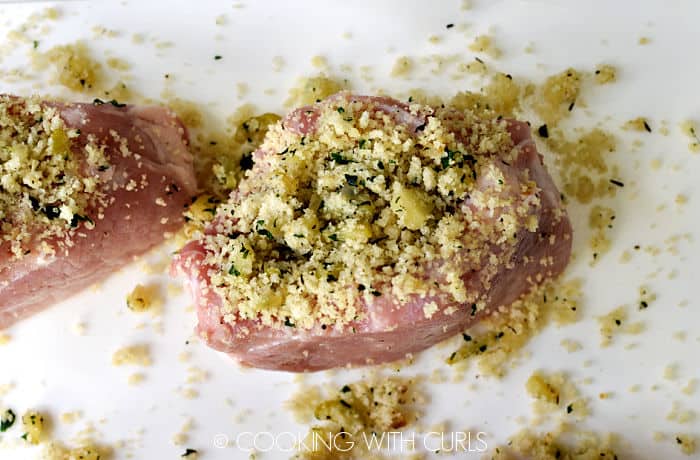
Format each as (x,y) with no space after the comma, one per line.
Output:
(368,229)
(83,189)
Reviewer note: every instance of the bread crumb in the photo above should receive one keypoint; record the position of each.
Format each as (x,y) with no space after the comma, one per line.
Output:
(182,436)
(557,445)
(686,443)
(484,44)
(638,124)
(671,372)
(570,345)
(507,332)
(34,424)
(136,378)
(611,324)
(402,67)
(365,408)
(143,298)
(688,128)
(134,355)
(680,415)
(70,417)
(605,74)
(689,388)
(277,63)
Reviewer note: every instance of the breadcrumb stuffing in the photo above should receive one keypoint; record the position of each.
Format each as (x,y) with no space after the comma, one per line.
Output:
(74,67)
(584,164)
(358,178)
(558,95)
(509,331)
(86,450)
(558,446)
(366,408)
(45,191)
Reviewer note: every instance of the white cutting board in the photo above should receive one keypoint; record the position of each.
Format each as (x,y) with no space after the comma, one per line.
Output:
(55,369)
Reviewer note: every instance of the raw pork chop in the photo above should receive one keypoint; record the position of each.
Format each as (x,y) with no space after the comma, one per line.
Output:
(84,189)
(481,224)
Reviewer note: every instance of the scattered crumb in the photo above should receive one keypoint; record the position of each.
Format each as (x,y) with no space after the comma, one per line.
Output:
(484,44)
(680,415)
(136,378)
(688,128)
(686,443)
(134,355)
(571,345)
(671,372)
(615,323)
(144,297)
(402,67)
(70,417)
(638,124)
(605,74)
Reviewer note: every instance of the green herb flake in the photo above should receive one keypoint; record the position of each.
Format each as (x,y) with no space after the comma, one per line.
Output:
(340,159)
(266,233)
(7,419)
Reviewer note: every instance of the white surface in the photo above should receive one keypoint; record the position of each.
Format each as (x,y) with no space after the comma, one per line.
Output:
(55,369)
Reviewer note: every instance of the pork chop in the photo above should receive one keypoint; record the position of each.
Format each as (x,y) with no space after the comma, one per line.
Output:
(369,229)
(84,189)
